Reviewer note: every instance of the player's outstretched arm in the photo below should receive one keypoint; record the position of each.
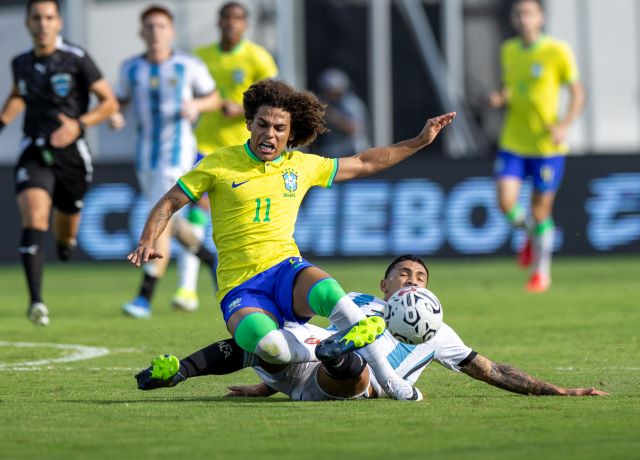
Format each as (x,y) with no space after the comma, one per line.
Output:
(167,206)
(377,159)
(511,379)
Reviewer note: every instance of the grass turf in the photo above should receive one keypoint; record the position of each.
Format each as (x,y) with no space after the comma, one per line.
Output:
(584,332)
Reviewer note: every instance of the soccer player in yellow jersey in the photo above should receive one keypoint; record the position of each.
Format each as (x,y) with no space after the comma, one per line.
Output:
(255,191)
(235,63)
(534,68)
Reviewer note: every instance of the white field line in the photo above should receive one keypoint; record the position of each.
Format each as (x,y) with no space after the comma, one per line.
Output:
(77,353)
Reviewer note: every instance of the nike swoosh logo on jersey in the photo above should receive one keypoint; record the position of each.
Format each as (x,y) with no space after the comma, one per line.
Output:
(234,185)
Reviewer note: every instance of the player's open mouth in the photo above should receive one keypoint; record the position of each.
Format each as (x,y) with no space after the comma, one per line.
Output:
(266,148)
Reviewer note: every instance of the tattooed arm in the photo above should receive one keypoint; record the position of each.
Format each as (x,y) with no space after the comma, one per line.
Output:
(511,379)
(167,206)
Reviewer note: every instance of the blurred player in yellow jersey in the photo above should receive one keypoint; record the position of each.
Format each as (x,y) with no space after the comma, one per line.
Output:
(534,68)
(255,191)
(235,63)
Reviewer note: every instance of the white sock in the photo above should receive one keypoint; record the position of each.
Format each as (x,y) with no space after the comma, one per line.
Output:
(542,252)
(189,264)
(281,347)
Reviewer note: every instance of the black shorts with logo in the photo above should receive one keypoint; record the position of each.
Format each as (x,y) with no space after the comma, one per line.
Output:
(64,173)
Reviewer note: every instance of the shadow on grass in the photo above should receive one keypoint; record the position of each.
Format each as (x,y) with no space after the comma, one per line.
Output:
(184,399)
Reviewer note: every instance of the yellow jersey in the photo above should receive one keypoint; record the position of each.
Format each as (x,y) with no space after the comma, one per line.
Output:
(254,206)
(233,71)
(532,77)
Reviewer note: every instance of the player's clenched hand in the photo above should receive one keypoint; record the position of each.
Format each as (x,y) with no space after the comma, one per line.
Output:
(68,131)
(231,109)
(117,121)
(434,126)
(558,133)
(190,111)
(142,254)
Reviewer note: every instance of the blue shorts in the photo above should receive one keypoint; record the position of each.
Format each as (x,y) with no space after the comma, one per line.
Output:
(547,172)
(271,290)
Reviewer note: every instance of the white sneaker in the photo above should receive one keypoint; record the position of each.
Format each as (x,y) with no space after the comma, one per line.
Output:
(38,314)
(185,300)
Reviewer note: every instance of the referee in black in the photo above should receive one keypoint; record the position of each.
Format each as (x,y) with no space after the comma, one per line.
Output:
(53,82)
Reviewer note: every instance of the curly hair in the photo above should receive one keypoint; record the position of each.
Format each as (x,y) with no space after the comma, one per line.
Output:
(307,112)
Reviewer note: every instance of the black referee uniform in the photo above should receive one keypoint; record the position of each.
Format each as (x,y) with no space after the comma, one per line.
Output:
(50,85)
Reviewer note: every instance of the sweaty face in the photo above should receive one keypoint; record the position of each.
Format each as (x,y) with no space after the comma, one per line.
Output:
(233,24)
(44,24)
(158,32)
(403,274)
(270,132)
(527,18)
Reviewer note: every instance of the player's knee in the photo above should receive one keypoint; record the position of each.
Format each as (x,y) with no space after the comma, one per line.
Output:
(324,295)
(273,348)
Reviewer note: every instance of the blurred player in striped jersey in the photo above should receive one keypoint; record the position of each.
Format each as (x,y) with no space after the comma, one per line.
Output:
(235,63)
(534,68)
(168,90)
(348,377)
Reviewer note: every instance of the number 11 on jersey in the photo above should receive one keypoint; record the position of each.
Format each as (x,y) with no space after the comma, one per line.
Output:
(266,212)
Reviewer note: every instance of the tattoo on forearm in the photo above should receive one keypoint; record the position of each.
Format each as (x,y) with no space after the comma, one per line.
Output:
(160,215)
(507,377)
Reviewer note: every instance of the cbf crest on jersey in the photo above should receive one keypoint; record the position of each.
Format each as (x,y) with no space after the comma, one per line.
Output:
(536,70)
(290,182)
(238,76)
(61,84)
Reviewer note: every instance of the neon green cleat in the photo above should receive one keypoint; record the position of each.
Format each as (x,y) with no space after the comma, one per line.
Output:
(163,372)
(185,300)
(361,334)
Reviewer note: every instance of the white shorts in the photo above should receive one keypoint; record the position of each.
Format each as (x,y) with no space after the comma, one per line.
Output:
(154,184)
(299,380)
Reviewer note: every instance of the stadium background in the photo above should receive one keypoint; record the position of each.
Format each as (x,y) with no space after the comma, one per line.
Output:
(408,60)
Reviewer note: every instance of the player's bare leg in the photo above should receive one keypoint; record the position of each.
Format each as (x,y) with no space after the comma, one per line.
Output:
(190,237)
(186,297)
(508,191)
(65,230)
(35,206)
(543,233)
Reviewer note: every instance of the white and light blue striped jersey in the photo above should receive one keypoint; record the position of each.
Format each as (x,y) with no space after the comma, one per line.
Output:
(446,348)
(298,380)
(158,90)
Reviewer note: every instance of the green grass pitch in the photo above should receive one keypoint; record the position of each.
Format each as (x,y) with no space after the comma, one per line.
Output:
(584,332)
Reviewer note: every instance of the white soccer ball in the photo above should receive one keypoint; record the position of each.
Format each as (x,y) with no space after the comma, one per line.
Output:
(413,315)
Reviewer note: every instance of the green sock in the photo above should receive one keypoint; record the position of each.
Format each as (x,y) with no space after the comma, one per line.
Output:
(516,215)
(324,295)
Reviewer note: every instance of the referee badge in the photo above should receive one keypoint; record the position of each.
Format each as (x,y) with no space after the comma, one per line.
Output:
(61,84)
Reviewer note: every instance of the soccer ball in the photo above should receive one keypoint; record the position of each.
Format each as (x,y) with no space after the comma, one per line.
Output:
(413,315)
